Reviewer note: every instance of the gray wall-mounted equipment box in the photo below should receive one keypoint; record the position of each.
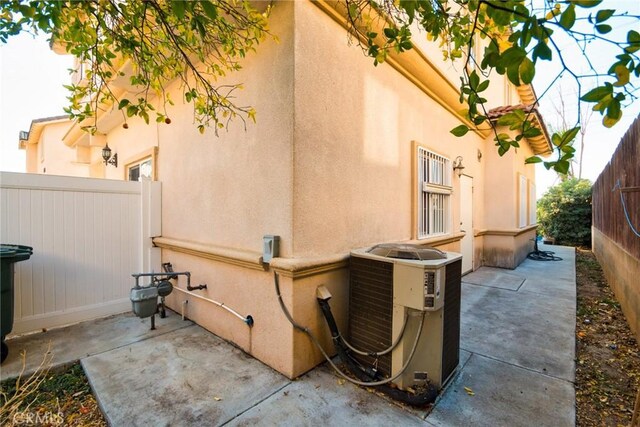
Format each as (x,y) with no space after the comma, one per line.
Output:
(144,301)
(270,247)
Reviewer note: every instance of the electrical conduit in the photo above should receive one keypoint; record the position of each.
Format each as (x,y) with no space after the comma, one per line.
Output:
(248,319)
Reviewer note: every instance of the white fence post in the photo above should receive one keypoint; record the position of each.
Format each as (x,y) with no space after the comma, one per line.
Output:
(151,211)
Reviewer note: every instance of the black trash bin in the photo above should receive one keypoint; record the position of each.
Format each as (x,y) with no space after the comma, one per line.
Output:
(9,255)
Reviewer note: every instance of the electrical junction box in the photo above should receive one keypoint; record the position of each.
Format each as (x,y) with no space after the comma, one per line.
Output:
(270,247)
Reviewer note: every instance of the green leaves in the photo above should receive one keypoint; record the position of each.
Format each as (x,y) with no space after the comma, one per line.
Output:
(542,51)
(607,102)
(178,8)
(390,33)
(597,93)
(604,14)
(561,166)
(165,39)
(568,17)
(533,160)
(123,103)
(633,38)
(474,81)
(511,60)
(560,139)
(564,212)
(622,74)
(527,70)
(460,130)
(209,9)
(513,119)
(514,37)
(194,42)
(587,3)
(562,142)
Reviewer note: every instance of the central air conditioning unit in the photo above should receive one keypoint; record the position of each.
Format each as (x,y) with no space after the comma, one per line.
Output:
(394,282)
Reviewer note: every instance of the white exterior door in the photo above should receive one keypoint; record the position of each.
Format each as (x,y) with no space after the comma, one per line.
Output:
(466,222)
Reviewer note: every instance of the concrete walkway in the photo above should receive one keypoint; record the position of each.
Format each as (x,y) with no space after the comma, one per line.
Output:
(516,368)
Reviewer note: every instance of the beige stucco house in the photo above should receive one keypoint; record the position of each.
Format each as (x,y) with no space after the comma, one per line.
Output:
(343,155)
(45,152)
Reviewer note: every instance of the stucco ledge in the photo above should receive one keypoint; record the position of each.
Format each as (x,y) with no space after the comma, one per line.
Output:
(505,232)
(303,267)
(239,257)
(439,240)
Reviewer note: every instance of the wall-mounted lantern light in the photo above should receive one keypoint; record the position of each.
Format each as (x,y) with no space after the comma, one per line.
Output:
(458,166)
(108,159)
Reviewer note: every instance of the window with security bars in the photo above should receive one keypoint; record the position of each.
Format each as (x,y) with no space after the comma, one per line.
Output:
(434,194)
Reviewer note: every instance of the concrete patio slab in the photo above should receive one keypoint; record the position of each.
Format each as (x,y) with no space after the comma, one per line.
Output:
(517,355)
(556,270)
(495,278)
(187,377)
(532,331)
(504,395)
(553,288)
(71,343)
(319,398)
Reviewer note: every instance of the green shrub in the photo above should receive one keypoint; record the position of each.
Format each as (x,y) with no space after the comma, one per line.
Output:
(564,213)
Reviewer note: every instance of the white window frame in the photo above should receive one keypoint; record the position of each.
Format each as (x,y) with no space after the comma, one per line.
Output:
(145,156)
(434,178)
(523,201)
(533,216)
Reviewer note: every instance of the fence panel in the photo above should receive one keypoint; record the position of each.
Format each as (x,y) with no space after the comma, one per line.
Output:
(88,237)
(621,177)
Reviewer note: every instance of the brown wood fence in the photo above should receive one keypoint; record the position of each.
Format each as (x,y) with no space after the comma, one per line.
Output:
(621,177)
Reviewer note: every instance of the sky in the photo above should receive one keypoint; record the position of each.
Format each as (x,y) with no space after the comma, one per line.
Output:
(600,142)
(31,79)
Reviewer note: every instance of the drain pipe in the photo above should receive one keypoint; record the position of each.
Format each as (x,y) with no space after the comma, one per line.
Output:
(248,319)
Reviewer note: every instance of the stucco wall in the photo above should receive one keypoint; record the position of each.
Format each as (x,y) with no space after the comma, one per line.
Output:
(233,189)
(328,167)
(130,143)
(621,271)
(55,158)
(31,158)
(249,292)
(354,141)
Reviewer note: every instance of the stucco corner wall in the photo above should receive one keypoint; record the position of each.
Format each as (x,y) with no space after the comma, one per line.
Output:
(507,251)
(499,251)
(621,271)
(306,311)
(523,245)
(270,339)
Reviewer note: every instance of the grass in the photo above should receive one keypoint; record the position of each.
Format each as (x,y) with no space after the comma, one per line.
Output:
(49,398)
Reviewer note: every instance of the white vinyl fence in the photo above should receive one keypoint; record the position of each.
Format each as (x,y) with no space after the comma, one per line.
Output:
(88,237)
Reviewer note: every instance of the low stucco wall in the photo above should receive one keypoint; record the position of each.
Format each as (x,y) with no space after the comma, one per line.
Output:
(621,271)
(251,291)
(523,245)
(507,249)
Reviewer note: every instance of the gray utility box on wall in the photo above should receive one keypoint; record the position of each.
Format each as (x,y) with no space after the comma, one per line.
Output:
(270,247)
(409,281)
(144,301)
